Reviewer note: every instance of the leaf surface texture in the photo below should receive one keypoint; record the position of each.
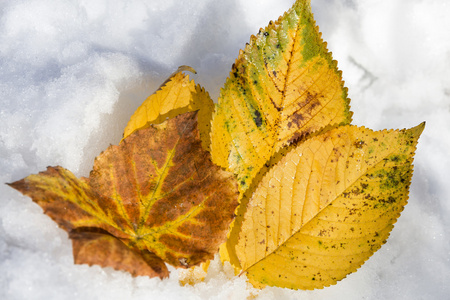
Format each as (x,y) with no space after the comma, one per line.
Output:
(283,86)
(157,193)
(326,207)
(177,95)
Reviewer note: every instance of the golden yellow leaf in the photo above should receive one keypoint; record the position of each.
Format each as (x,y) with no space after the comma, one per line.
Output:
(155,197)
(326,207)
(283,86)
(177,95)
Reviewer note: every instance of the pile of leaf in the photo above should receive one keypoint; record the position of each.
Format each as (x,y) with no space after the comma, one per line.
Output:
(273,174)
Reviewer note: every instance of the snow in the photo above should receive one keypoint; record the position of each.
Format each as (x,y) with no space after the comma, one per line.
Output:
(73,71)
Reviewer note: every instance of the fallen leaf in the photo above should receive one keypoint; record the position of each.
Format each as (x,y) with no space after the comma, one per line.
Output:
(103,249)
(156,195)
(177,95)
(326,207)
(283,86)
(317,196)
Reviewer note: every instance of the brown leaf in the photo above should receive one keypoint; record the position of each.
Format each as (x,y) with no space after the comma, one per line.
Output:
(94,248)
(157,192)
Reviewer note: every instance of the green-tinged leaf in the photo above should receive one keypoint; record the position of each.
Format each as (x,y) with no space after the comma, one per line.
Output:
(283,86)
(326,207)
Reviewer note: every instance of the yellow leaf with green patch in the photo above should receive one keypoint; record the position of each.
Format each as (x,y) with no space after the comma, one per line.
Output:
(156,197)
(326,207)
(177,95)
(283,86)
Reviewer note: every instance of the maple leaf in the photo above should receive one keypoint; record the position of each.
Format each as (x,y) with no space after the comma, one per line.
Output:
(175,96)
(154,198)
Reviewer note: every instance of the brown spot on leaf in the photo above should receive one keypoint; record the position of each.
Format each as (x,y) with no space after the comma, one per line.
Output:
(359,144)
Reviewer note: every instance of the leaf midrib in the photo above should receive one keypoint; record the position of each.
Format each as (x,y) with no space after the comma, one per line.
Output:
(292,235)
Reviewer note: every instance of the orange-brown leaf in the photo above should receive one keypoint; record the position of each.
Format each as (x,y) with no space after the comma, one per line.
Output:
(94,248)
(157,191)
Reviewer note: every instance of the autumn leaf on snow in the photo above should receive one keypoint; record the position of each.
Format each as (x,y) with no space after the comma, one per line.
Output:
(154,198)
(326,207)
(281,125)
(283,86)
(177,95)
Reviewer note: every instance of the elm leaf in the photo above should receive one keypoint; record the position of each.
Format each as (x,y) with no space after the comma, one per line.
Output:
(326,207)
(283,86)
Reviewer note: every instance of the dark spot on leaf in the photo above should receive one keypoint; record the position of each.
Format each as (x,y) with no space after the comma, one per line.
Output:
(395,158)
(359,144)
(257,118)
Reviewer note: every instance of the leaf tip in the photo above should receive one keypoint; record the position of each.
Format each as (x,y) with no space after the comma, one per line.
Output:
(185,68)
(417,130)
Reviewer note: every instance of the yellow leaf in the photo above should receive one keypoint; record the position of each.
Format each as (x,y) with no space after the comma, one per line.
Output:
(177,95)
(326,207)
(283,86)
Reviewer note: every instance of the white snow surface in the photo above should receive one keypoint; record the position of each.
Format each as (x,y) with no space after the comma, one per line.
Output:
(73,71)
